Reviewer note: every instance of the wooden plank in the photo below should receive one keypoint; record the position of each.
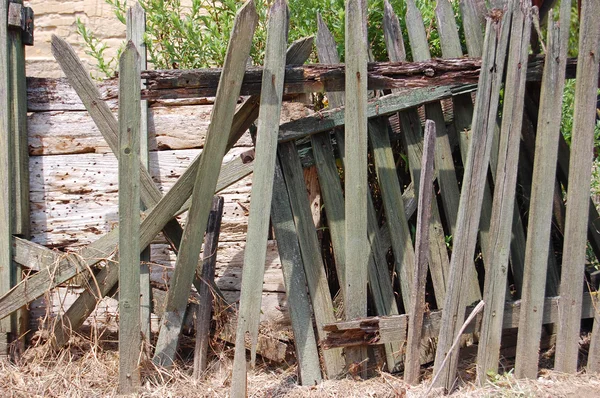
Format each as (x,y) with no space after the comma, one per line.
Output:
(378,330)
(295,282)
(107,123)
(496,275)
(209,262)
(262,192)
(136,28)
(355,174)
(472,27)
(593,364)
(417,302)
(6,168)
(576,222)
(474,179)
(164,210)
(540,208)
(18,125)
(410,122)
(380,283)
(130,327)
(206,181)
(311,254)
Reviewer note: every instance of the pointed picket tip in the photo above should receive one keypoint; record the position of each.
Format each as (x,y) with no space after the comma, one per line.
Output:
(299,49)
(129,51)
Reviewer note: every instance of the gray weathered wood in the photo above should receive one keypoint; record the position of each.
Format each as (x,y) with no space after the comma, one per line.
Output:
(582,148)
(129,221)
(504,195)
(355,173)
(295,282)
(392,33)
(6,168)
(417,302)
(474,179)
(472,27)
(593,364)
(540,213)
(107,123)
(136,28)
(311,255)
(206,181)
(262,192)
(209,261)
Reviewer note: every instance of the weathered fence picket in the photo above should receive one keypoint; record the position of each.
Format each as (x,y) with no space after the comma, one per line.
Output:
(540,208)
(576,220)
(129,220)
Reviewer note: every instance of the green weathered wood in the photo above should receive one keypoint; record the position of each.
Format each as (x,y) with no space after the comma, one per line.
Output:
(107,124)
(469,212)
(6,168)
(311,254)
(129,220)
(136,28)
(380,282)
(417,303)
(163,212)
(295,282)
(540,207)
(209,263)
(411,126)
(206,180)
(262,193)
(20,160)
(576,222)
(386,105)
(496,277)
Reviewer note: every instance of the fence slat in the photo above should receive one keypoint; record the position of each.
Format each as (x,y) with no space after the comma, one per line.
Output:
(209,262)
(295,281)
(262,193)
(540,207)
(504,195)
(206,180)
(129,220)
(593,364)
(576,221)
(6,168)
(469,211)
(136,27)
(417,302)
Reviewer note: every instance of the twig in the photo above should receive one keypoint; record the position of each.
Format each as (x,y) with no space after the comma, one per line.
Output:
(476,311)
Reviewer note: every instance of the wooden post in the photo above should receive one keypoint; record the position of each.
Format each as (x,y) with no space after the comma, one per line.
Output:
(469,212)
(238,51)
(6,168)
(20,153)
(129,220)
(355,303)
(209,262)
(576,220)
(262,193)
(136,27)
(417,302)
(540,207)
(504,195)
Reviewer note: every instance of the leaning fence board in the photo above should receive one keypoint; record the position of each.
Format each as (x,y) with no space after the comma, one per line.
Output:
(496,277)
(540,214)
(106,122)
(311,255)
(576,221)
(470,204)
(129,221)
(417,302)
(262,192)
(6,168)
(206,180)
(177,195)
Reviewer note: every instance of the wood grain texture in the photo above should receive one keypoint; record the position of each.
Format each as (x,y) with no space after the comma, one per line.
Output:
(540,214)
(576,222)
(129,221)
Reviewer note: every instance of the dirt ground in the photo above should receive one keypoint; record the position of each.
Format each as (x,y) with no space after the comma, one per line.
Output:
(91,370)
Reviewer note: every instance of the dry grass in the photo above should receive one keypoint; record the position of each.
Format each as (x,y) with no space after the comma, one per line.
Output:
(86,369)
